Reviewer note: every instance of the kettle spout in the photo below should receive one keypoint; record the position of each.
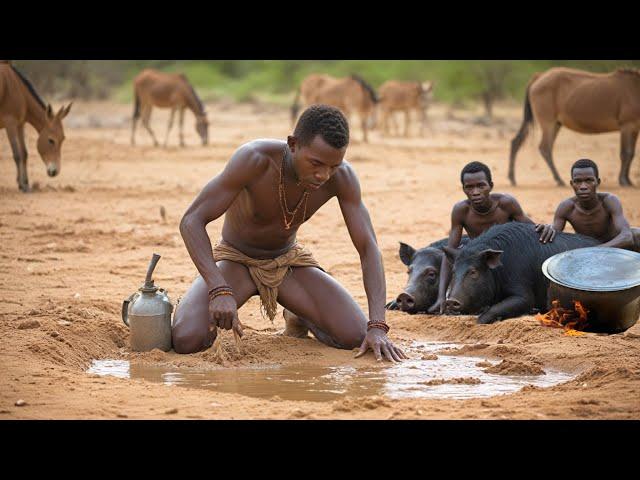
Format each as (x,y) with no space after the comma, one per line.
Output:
(152,265)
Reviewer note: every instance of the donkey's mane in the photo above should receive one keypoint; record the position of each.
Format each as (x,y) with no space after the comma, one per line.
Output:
(193,92)
(29,86)
(366,86)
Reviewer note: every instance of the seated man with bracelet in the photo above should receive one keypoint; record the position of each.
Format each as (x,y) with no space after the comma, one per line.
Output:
(258,252)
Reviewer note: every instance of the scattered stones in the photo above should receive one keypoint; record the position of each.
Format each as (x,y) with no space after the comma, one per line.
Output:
(20,403)
(64,323)
(54,334)
(26,324)
(122,415)
(171,411)
(429,356)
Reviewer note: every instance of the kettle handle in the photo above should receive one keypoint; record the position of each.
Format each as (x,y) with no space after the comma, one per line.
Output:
(125,310)
(125,314)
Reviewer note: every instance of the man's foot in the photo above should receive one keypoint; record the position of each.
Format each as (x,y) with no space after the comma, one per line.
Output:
(293,326)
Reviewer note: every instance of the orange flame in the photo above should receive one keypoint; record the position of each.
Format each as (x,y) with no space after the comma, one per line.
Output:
(572,321)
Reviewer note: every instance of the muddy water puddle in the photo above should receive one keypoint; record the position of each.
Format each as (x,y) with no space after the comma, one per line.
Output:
(447,376)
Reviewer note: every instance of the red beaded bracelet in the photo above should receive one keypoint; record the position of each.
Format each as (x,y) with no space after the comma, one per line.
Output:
(222,290)
(380,325)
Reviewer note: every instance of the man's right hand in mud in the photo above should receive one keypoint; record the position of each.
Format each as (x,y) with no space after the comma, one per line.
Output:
(379,343)
(223,312)
(547,232)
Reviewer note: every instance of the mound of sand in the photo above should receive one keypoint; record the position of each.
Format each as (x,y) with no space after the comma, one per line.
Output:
(510,367)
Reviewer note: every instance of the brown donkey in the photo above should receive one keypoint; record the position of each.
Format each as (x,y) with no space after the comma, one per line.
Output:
(584,102)
(167,90)
(20,104)
(351,95)
(404,96)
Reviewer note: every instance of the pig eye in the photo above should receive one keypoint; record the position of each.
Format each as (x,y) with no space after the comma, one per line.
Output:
(473,273)
(52,141)
(410,269)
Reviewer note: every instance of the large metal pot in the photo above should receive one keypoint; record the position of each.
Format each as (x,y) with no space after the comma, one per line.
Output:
(605,280)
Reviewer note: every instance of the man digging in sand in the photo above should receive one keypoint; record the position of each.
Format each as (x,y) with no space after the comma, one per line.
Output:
(598,215)
(267,190)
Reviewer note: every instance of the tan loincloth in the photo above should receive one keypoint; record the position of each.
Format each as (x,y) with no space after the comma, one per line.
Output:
(267,274)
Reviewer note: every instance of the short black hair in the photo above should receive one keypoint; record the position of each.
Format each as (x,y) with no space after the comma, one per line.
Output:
(585,163)
(475,167)
(323,120)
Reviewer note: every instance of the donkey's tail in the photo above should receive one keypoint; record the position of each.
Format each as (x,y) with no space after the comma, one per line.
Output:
(527,123)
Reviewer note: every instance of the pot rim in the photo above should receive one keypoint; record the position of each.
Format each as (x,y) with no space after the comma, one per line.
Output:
(545,271)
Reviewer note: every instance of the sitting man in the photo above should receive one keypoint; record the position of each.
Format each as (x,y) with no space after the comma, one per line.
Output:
(598,215)
(258,252)
(478,213)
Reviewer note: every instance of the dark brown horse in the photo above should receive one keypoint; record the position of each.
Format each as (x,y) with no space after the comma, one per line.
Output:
(167,90)
(20,104)
(584,102)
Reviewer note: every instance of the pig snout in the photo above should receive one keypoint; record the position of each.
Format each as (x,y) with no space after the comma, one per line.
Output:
(406,302)
(452,306)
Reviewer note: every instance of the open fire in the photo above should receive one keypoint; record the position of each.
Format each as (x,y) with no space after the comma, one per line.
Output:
(572,321)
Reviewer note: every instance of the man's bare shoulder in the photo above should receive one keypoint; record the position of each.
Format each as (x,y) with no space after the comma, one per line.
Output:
(609,200)
(257,155)
(344,180)
(461,207)
(566,206)
(506,201)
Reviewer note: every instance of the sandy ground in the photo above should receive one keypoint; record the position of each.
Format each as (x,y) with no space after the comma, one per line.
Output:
(75,248)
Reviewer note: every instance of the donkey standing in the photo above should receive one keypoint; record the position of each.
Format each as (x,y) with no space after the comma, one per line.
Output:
(167,90)
(584,102)
(20,104)
(351,95)
(397,96)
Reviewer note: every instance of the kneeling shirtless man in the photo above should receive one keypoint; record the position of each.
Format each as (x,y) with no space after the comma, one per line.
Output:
(267,190)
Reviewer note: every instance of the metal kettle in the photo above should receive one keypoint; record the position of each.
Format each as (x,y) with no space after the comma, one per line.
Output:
(147,313)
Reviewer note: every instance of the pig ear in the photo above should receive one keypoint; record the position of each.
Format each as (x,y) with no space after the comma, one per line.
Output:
(451,253)
(492,258)
(406,253)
